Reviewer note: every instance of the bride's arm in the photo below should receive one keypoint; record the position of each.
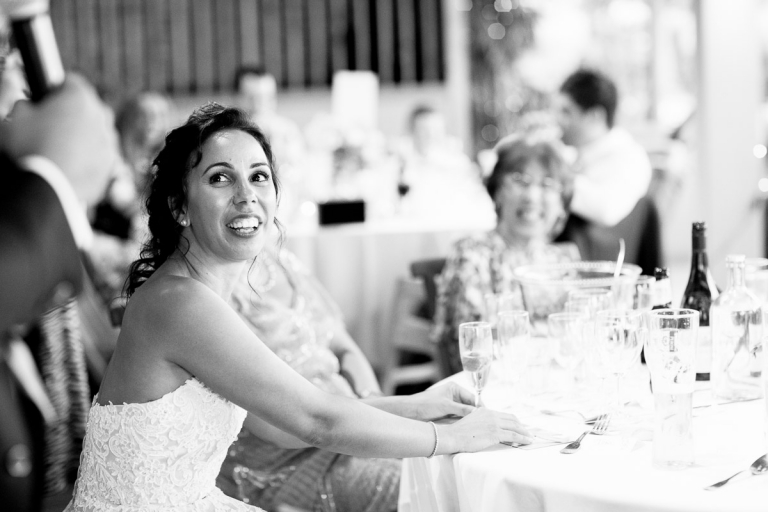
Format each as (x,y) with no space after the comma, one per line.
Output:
(203,335)
(267,432)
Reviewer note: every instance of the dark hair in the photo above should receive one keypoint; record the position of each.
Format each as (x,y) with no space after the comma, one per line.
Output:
(167,191)
(589,89)
(515,154)
(246,70)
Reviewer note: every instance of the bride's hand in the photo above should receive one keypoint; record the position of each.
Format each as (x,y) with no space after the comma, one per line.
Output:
(483,428)
(442,401)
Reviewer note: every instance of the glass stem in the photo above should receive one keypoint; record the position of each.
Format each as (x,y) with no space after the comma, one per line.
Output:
(477,397)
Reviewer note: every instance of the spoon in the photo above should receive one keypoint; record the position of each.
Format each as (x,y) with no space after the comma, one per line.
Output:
(757,467)
(620,259)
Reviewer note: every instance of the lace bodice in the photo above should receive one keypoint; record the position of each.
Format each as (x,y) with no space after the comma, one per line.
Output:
(162,455)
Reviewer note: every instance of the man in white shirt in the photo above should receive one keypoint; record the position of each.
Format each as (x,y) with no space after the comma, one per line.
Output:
(612,170)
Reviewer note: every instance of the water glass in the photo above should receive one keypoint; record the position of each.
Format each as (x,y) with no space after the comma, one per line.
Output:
(513,344)
(567,332)
(670,352)
(476,350)
(619,336)
(496,303)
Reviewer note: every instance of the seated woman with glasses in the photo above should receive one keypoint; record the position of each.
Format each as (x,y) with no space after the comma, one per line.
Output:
(531,187)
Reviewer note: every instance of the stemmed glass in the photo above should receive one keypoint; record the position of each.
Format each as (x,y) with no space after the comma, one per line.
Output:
(619,336)
(476,349)
(514,332)
(567,330)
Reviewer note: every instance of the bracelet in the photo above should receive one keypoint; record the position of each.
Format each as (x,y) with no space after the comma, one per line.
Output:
(434,450)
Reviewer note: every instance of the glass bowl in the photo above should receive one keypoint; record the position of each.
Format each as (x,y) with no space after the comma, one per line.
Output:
(545,287)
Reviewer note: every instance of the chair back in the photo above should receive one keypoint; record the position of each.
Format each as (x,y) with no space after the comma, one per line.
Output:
(409,335)
(427,270)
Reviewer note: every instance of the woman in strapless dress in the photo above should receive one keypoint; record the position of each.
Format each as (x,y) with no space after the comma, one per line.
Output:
(186,368)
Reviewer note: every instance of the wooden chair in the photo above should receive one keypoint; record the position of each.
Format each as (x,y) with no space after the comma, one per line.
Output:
(428,271)
(410,334)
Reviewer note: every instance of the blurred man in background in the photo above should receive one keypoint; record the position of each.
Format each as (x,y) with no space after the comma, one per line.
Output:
(257,92)
(612,170)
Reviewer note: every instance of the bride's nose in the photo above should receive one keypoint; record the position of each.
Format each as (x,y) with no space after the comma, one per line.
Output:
(244,193)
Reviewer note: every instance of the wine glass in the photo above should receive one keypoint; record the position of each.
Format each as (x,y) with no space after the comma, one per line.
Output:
(476,349)
(567,331)
(619,336)
(514,332)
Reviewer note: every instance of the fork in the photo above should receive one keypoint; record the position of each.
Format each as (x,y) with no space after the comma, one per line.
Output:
(599,428)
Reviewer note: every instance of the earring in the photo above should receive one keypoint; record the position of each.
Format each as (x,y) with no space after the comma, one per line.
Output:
(184,222)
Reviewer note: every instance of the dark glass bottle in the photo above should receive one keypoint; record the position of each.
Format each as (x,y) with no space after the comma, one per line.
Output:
(699,294)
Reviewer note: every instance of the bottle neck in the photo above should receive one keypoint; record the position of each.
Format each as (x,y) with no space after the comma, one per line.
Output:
(699,260)
(736,276)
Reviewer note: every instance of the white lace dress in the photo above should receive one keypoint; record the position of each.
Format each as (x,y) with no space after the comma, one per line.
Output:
(160,456)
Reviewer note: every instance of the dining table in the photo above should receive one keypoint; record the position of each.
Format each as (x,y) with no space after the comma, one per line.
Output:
(611,472)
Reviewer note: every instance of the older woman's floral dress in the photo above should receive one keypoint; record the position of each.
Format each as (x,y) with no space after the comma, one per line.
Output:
(264,474)
(483,264)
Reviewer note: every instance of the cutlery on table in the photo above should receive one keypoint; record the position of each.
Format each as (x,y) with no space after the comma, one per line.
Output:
(599,428)
(588,420)
(757,467)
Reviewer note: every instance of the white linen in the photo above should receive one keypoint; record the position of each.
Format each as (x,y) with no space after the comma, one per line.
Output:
(609,473)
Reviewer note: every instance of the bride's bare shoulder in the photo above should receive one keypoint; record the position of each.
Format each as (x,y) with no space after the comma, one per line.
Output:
(171,298)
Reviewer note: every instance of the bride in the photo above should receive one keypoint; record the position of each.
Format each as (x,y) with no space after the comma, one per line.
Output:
(186,368)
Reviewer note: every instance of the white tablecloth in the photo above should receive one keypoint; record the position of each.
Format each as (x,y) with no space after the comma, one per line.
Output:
(609,473)
(359,265)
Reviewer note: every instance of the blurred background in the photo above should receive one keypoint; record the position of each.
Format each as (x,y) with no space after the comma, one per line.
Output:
(350,78)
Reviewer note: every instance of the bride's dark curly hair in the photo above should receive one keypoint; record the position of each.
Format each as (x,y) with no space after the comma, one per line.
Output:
(167,191)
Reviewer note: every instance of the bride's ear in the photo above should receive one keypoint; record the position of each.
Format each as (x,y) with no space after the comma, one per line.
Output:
(178,212)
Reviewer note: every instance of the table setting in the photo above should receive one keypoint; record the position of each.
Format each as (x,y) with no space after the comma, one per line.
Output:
(609,432)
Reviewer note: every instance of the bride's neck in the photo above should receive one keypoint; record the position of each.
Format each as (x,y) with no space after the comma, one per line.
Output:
(221,278)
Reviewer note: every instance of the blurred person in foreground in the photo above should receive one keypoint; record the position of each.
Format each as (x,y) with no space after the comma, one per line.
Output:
(187,369)
(55,157)
(290,311)
(612,171)
(437,179)
(531,187)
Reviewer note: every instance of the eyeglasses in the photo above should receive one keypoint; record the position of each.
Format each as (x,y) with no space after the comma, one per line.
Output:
(522,180)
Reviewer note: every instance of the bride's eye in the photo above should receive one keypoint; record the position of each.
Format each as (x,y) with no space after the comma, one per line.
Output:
(260,176)
(218,177)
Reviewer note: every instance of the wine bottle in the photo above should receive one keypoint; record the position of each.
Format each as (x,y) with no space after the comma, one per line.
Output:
(737,322)
(698,295)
